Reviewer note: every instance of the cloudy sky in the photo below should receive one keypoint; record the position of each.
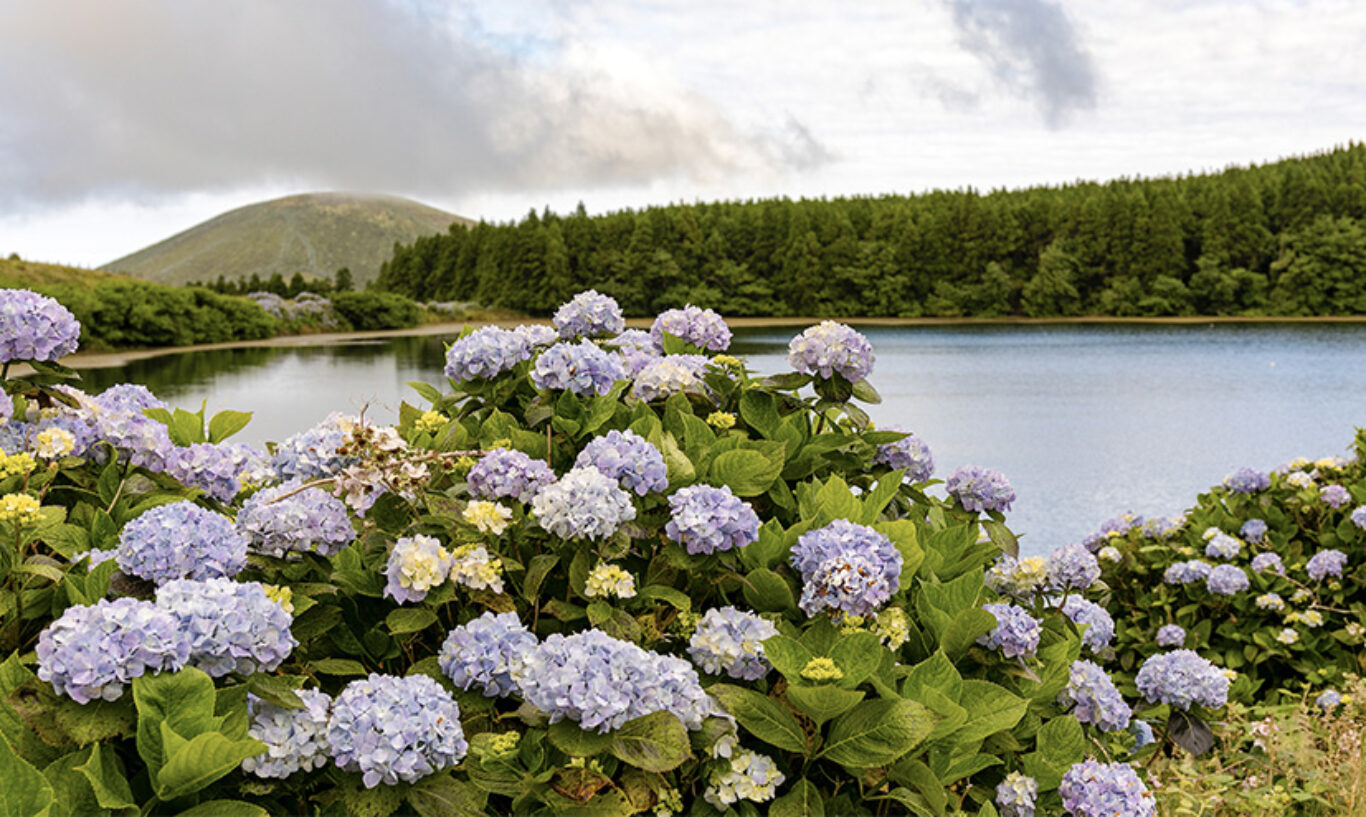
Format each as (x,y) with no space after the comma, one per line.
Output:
(121,123)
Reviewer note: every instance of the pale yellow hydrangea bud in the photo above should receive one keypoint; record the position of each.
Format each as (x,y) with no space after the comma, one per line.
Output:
(430,422)
(726,360)
(504,743)
(19,509)
(821,669)
(721,420)
(893,627)
(282,596)
(53,443)
(488,517)
(609,580)
(17,465)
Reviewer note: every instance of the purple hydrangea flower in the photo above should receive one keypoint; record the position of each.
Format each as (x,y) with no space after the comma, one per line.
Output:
(1093,789)
(216,468)
(1016,632)
(909,453)
(1072,567)
(181,541)
(1112,528)
(1223,546)
(846,568)
(628,458)
(295,739)
(1226,580)
(91,653)
(584,504)
(505,473)
(308,521)
(829,349)
(395,730)
(312,454)
(35,327)
(1181,678)
(1359,517)
(231,626)
(636,348)
(1096,699)
(537,335)
(980,489)
(589,315)
(1171,635)
(1326,563)
(581,368)
(6,407)
(601,682)
(1253,530)
(1328,700)
(1016,794)
(730,641)
(1264,562)
(117,415)
(486,353)
(669,375)
(1335,496)
(1143,734)
(702,328)
(1247,481)
(483,651)
(1099,627)
(1186,572)
(706,519)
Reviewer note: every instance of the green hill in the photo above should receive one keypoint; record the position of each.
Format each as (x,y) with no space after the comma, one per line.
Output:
(314,233)
(16,273)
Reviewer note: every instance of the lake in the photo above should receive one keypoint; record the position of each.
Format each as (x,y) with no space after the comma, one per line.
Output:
(1087,421)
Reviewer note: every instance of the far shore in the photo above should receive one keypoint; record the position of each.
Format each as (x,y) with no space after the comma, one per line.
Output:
(122,357)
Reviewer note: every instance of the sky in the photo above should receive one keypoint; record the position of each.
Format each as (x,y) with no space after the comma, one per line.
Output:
(123,123)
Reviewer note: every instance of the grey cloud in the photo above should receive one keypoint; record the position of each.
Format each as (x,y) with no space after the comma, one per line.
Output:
(159,97)
(1032,47)
(800,149)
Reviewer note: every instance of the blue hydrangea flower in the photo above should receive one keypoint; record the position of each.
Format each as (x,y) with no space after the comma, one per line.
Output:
(312,454)
(6,407)
(216,468)
(1359,517)
(504,473)
(1072,567)
(589,315)
(746,775)
(1253,530)
(831,348)
(1181,678)
(581,368)
(1093,789)
(1142,732)
(310,521)
(1226,580)
(846,568)
(1334,496)
(181,541)
(537,335)
(35,327)
(730,641)
(128,397)
(295,739)
(1186,572)
(394,730)
(1223,546)
(628,458)
(415,566)
(702,328)
(91,653)
(483,651)
(706,519)
(1098,627)
(602,682)
(486,353)
(1113,528)
(1328,700)
(231,626)
(1015,795)
(909,452)
(1326,563)
(1171,635)
(669,375)
(117,414)
(1247,481)
(1016,632)
(1097,700)
(636,348)
(584,504)
(980,489)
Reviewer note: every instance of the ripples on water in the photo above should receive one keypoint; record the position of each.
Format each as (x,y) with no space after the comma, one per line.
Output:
(1086,421)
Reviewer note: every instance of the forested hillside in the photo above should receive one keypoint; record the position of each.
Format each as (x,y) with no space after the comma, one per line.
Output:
(1286,238)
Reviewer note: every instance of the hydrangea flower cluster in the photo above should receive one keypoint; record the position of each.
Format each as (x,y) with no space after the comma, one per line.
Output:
(1326,563)
(117,417)
(1181,678)
(60,436)
(980,489)
(1359,517)
(1223,546)
(474,567)
(1247,481)
(909,453)
(1270,601)
(1097,700)
(636,348)
(1186,572)
(230,626)
(584,504)
(217,469)
(1142,732)
(283,520)
(831,348)
(589,315)
(750,776)
(846,568)
(537,335)
(181,541)
(1072,567)
(666,376)
(487,517)
(1254,531)
(1015,795)
(702,328)
(1113,528)
(486,353)
(602,682)
(1016,632)
(416,565)
(505,473)
(295,739)
(1099,626)
(35,327)
(91,653)
(628,458)
(1334,496)
(6,406)
(1328,700)
(1093,789)
(1264,562)
(1226,580)
(609,581)
(1171,635)
(730,641)
(707,519)
(312,453)
(394,730)
(20,510)
(582,368)
(1019,578)
(483,652)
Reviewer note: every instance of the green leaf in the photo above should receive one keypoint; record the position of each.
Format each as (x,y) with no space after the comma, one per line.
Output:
(225,808)
(187,427)
(766,591)
(536,571)
(875,733)
(227,423)
(442,795)
(803,799)
(858,656)
(24,792)
(936,672)
(71,793)
(963,631)
(338,666)
(183,701)
(759,412)
(107,486)
(426,391)
(1002,537)
(864,391)
(110,786)
(747,472)
(821,703)
(566,736)
(674,597)
(657,742)
(991,709)
(920,777)
(409,620)
(762,717)
(201,761)
(787,655)
(279,690)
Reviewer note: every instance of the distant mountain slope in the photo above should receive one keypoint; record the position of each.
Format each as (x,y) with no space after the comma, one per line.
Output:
(314,233)
(17,273)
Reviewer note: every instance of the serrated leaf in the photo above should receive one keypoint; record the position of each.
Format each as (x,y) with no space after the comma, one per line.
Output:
(746,472)
(875,733)
(201,761)
(444,796)
(803,799)
(110,786)
(762,717)
(24,791)
(657,742)
(409,620)
(568,737)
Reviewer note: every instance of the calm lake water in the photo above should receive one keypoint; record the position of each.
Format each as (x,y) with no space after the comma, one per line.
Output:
(1087,422)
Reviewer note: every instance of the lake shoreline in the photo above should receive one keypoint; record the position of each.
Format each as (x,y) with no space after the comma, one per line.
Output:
(122,357)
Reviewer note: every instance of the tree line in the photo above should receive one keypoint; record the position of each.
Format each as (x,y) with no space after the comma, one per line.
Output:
(1284,238)
(276,283)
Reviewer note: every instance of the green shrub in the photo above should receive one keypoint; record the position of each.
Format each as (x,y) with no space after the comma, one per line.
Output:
(376,310)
